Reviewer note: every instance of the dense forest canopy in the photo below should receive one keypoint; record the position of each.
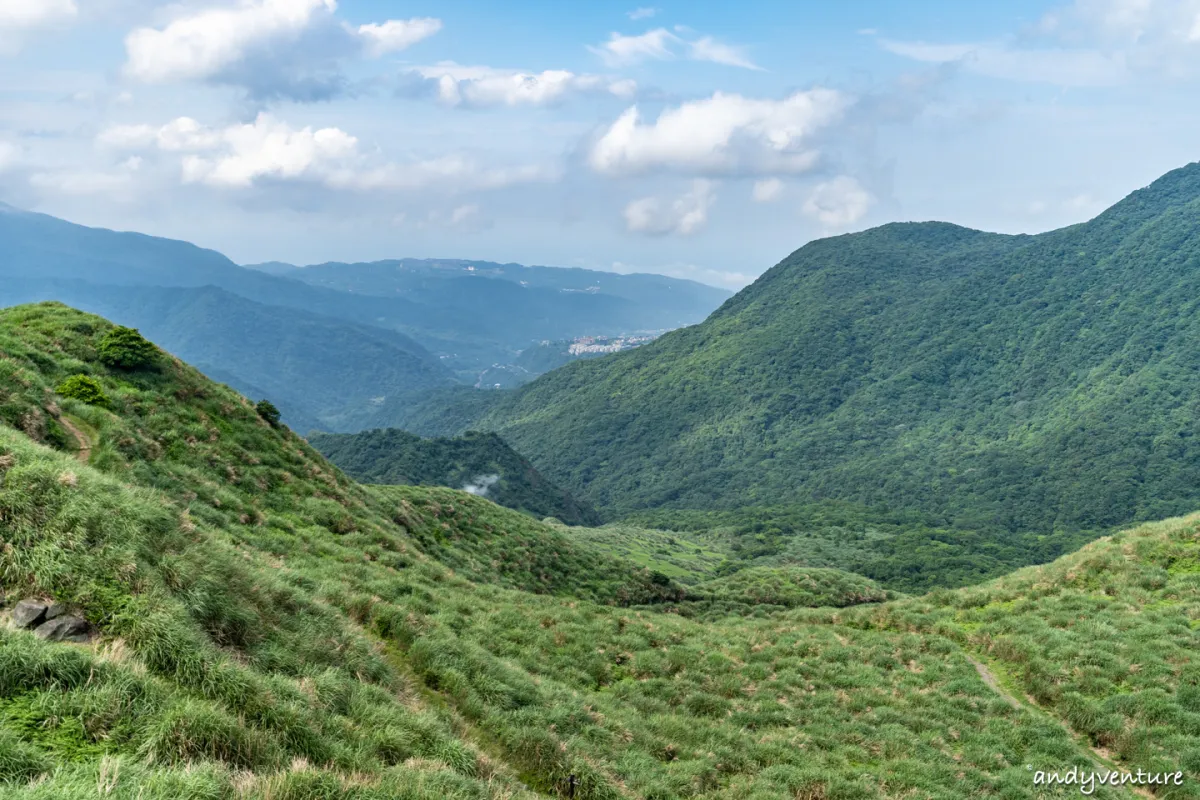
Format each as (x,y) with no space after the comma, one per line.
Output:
(1001,382)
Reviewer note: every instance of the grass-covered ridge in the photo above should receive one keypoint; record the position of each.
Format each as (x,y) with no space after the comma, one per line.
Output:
(268,628)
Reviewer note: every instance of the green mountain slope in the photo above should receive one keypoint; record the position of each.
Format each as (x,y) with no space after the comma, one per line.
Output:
(1024,382)
(259,626)
(319,370)
(483,462)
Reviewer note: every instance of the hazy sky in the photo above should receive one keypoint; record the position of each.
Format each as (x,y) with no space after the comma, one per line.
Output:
(704,140)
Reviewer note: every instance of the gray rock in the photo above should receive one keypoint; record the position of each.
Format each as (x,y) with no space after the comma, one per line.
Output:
(29,613)
(63,629)
(55,611)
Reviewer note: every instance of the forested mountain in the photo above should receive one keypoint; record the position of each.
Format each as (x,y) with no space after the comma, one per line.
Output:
(389,344)
(1026,382)
(481,463)
(196,604)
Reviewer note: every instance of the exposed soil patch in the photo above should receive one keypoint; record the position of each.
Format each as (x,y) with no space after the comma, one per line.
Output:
(84,454)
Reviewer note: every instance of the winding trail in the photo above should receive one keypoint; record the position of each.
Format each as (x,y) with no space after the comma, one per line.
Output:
(1102,760)
(993,684)
(84,454)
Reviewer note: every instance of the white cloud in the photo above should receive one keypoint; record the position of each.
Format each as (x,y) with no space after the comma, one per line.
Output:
(202,44)
(25,14)
(182,134)
(661,44)
(19,17)
(271,47)
(685,215)
(1084,43)
(641,13)
(708,49)
(485,86)
(396,34)
(269,148)
(838,203)
(726,134)
(622,50)
(767,190)
(240,156)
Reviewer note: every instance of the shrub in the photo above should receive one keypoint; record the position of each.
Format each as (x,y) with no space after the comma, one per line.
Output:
(84,388)
(267,410)
(125,348)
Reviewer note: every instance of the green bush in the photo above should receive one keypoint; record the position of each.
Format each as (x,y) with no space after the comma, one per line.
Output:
(267,410)
(84,388)
(125,348)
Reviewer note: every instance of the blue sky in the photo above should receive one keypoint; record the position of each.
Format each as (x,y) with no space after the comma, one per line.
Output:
(704,140)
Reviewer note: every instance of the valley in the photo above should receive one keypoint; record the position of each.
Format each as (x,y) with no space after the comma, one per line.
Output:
(535,401)
(787,552)
(261,625)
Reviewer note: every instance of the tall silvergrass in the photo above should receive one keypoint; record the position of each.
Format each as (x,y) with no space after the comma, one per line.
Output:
(268,629)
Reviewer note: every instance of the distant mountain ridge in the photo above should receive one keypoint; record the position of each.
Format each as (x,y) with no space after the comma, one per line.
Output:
(544,303)
(1025,382)
(361,350)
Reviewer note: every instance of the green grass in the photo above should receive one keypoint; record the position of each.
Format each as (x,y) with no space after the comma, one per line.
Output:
(269,629)
(687,557)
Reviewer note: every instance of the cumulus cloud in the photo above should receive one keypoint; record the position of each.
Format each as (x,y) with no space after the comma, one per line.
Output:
(641,13)
(684,215)
(726,134)
(838,203)
(289,48)
(240,156)
(459,85)
(661,44)
(767,190)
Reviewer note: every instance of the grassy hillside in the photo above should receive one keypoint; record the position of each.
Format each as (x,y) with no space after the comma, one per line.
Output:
(480,462)
(994,382)
(687,557)
(263,627)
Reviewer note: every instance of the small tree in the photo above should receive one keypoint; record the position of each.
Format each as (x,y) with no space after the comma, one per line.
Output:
(84,388)
(125,348)
(267,410)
